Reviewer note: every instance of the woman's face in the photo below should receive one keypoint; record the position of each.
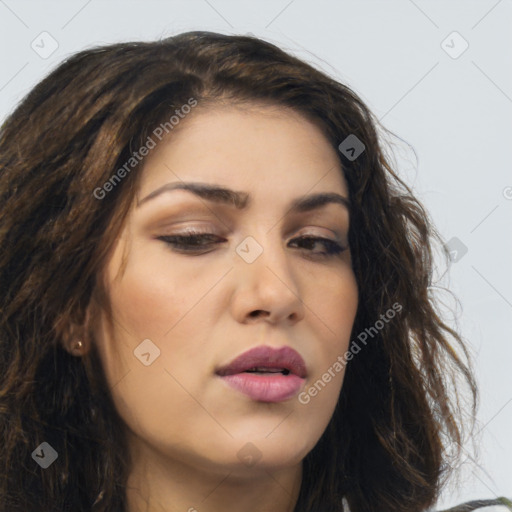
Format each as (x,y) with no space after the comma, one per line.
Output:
(182,315)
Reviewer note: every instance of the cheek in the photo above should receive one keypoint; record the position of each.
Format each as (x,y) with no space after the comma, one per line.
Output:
(173,304)
(146,302)
(165,307)
(333,307)
(332,300)
(156,292)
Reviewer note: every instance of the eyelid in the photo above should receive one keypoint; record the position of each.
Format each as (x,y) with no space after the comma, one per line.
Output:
(336,233)
(190,211)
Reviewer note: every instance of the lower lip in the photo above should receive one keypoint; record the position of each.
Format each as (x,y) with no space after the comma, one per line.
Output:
(265,388)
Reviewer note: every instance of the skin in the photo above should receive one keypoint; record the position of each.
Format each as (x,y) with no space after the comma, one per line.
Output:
(186,426)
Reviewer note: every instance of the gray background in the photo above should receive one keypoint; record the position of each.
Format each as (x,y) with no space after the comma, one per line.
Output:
(453,113)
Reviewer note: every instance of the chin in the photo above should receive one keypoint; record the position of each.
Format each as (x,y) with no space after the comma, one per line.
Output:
(270,448)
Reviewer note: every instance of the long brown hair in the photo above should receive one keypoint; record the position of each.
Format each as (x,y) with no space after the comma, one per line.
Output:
(389,444)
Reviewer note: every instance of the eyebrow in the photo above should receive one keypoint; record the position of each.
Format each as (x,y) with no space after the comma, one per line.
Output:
(241,200)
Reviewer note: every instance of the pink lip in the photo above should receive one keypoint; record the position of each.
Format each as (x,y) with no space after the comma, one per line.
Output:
(268,387)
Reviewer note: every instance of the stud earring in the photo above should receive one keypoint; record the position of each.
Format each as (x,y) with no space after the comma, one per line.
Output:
(78,346)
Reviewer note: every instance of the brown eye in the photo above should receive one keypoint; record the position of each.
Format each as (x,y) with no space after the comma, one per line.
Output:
(332,247)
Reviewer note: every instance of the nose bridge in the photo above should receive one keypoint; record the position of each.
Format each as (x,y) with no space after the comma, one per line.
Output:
(264,271)
(263,248)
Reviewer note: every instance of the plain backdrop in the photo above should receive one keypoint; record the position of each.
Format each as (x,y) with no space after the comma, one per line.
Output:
(438,74)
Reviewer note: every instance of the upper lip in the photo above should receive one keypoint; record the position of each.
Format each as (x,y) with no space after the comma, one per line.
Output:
(266,357)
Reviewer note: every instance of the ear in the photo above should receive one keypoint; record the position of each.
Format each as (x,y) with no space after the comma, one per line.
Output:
(74,335)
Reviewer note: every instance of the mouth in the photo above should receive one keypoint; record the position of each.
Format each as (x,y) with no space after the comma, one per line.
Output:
(265,371)
(266,374)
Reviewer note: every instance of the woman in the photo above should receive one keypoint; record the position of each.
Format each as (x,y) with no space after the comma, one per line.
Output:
(216,293)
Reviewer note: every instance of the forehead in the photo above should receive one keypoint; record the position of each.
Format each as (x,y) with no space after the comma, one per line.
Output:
(267,149)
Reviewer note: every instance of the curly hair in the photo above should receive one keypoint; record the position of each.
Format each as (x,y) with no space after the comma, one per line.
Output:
(397,426)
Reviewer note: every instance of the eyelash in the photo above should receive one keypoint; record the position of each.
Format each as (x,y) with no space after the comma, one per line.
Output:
(178,242)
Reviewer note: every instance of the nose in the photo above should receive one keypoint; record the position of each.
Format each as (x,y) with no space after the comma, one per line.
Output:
(267,289)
